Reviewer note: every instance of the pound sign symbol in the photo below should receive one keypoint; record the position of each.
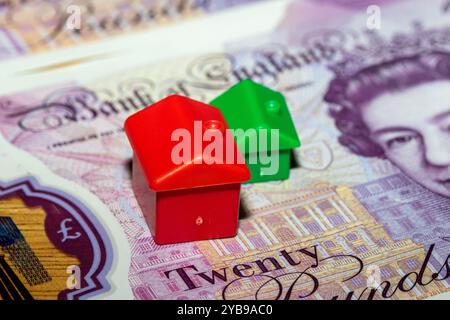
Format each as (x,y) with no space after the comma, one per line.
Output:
(64,230)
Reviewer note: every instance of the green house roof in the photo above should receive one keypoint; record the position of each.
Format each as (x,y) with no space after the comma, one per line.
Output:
(249,105)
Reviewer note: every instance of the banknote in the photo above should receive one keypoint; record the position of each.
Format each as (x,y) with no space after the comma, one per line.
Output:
(53,245)
(38,26)
(362,216)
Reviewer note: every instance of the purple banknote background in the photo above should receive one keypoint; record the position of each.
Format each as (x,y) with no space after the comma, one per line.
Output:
(409,211)
(353,197)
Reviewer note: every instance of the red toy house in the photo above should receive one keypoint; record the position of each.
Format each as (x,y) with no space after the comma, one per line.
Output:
(196,199)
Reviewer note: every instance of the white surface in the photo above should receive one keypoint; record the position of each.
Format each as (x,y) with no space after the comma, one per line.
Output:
(200,35)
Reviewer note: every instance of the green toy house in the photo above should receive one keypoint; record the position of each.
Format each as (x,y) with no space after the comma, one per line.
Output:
(262,127)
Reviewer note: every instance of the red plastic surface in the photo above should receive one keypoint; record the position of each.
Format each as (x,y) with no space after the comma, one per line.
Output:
(150,131)
(183,202)
(188,215)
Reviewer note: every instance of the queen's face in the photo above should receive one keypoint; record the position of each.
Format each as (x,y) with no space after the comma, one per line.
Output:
(413,128)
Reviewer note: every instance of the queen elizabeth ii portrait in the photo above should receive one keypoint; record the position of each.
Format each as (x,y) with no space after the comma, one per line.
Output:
(400,110)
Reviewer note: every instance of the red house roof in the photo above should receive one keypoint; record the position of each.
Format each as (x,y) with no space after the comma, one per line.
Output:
(150,133)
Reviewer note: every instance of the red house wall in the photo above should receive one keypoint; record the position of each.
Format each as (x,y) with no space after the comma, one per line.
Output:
(197,214)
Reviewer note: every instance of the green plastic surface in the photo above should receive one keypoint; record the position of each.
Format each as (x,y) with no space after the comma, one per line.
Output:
(249,105)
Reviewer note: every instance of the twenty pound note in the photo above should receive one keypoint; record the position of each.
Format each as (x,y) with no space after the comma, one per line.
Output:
(28,27)
(366,211)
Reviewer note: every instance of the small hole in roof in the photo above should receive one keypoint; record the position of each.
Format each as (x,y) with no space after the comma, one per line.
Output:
(213,125)
(273,107)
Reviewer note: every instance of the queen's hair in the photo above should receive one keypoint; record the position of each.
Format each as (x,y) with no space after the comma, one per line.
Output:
(348,94)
